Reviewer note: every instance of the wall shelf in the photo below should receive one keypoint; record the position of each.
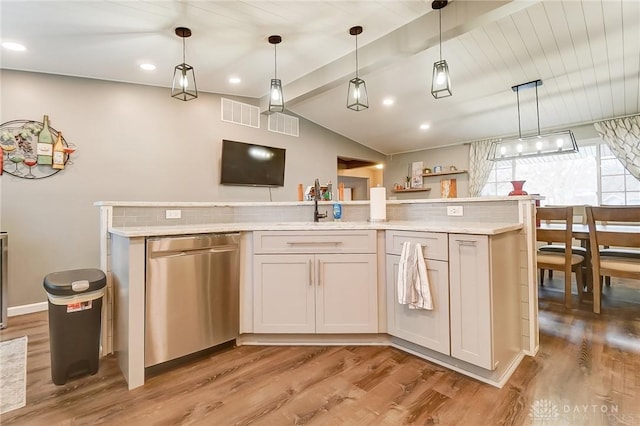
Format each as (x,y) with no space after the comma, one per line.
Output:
(452,172)
(412,190)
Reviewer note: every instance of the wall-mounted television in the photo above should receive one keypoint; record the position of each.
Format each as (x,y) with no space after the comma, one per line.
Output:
(252,165)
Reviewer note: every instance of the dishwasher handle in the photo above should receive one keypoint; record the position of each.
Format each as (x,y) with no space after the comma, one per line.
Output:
(185,243)
(178,253)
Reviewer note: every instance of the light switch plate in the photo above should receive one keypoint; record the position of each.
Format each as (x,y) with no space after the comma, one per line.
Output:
(173,214)
(454,211)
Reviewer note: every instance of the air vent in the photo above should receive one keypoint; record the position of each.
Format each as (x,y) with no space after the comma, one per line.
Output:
(283,123)
(239,113)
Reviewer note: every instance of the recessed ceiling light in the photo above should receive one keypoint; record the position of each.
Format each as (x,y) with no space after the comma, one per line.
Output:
(379,166)
(14,46)
(388,101)
(424,126)
(234,80)
(148,67)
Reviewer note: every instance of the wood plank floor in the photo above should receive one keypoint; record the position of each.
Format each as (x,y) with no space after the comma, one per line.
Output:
(587,372)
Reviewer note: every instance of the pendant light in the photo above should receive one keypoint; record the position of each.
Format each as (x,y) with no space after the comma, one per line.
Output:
(440,82)
(357,98)
(276,98)
(561,142)
(184,79)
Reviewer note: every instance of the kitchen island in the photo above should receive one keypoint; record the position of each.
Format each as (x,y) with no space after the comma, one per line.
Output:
(501,227)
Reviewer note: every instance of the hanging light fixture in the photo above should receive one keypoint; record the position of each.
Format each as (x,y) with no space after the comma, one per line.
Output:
(184,79)
(276,98)
(357,98)
(560,142)
(440,81)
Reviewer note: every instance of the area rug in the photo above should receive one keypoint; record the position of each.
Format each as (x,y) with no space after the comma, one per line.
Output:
(13,374)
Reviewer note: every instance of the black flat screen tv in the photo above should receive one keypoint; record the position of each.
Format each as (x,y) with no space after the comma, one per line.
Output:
(251,165)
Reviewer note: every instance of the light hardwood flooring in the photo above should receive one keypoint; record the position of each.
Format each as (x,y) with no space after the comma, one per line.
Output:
(587,372)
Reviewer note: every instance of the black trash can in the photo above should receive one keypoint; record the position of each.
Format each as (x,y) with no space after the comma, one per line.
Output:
(75,306)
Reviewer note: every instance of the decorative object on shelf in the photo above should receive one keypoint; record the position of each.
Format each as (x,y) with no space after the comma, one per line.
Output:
(357,98)
(19,148)
(426,170)
(437,169)
(560,142)
(276,97)
(453,168)
(415,171)
(184,78)
(517,187)
(448,188)
(440,81)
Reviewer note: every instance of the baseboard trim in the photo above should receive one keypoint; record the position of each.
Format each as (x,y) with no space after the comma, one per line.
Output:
(14,311)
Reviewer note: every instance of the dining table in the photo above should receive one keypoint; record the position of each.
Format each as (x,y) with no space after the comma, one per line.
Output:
(580,232)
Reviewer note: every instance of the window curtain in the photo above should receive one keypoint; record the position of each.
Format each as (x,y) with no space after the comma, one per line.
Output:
(623,137)
(479,166)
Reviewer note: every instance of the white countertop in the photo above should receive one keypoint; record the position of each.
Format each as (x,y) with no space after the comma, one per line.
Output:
(301,203)
(477,228)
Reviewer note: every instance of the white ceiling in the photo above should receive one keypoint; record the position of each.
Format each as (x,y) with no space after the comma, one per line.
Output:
(587,53)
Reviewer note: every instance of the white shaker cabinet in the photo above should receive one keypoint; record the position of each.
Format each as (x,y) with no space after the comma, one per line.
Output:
(284,293)
(315,282)
(427,328)
(484,298)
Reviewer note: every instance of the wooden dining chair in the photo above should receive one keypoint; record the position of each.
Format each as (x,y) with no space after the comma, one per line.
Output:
(615,245)
(560,259)
(579,216)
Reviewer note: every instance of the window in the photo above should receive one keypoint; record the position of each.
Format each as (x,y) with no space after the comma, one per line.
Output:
(591,176)
(618,186)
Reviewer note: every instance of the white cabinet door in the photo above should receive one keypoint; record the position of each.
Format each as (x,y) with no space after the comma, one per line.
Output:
(470,293)
(284,293)
(428,328)
(346,293)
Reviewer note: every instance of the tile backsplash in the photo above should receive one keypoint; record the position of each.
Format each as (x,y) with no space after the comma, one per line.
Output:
(490,212)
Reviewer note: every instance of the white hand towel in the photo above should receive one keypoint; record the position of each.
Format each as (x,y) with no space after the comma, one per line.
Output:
(403,283)
(421,283)
(413,281)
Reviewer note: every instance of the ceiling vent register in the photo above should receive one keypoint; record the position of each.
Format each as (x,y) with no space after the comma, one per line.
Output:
(283,123)
(239,113)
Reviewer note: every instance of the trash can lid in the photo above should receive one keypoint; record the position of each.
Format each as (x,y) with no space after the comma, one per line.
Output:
(76,281)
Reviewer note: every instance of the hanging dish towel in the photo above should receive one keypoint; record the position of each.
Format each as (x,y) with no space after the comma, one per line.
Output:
(413,281)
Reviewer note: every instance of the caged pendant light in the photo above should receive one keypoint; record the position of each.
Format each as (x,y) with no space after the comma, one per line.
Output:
(184,79)
(357,98)
(550,143)
(440,81)
(276,98)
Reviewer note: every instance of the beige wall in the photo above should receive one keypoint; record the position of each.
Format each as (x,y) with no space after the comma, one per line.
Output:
(134,143)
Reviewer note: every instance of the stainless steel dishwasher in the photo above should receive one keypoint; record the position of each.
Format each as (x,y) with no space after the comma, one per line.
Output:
(192,294)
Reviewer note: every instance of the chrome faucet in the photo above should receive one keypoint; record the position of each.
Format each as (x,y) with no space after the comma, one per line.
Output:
(316,196)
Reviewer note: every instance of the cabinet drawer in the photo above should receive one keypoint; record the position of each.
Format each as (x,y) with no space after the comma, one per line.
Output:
(435,245)
(339,241)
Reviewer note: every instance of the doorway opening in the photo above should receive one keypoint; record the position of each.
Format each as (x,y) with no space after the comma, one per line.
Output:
(358,176)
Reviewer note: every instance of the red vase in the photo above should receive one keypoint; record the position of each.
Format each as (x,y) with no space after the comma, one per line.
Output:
(517,187)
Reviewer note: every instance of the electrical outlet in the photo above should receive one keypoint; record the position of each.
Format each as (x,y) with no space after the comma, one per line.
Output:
(173,214)
(454,210)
